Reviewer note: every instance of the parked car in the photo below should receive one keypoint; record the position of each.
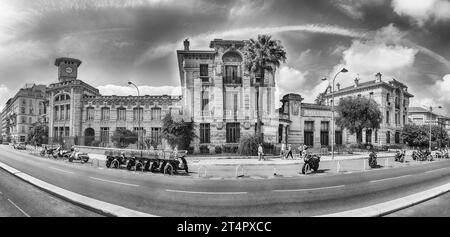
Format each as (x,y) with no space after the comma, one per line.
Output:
(20,146)
(5,143)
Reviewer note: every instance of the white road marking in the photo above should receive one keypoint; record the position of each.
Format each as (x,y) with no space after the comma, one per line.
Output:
(65,171)
(379,180)
(210,193)
(110,181)
(430,171)
(308,189)
(19,208)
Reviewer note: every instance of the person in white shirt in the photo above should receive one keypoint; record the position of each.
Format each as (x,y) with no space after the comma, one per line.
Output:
(260,152)
(283,150)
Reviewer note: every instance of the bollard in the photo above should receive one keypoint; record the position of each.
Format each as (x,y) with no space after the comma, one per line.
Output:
(386,163)
(237,169)
(364,163)
(199,169)
(274,171)
(338,167)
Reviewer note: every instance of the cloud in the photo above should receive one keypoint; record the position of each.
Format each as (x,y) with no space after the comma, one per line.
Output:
(382,53)
(291,80)
(143,90)
(202,40)
(423,10)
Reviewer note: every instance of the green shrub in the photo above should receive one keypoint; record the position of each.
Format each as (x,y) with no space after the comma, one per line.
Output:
(248,146)
(96,143)
(218,149)
(204,149)
(190,150)
(395,146)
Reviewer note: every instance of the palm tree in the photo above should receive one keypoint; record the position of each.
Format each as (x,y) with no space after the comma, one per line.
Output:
(262,55)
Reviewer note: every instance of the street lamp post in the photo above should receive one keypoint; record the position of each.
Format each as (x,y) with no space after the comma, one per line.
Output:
(139,116)
(343,70)
(431,111)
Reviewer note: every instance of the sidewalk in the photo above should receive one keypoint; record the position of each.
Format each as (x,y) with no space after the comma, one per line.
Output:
(270,160)
(276,160)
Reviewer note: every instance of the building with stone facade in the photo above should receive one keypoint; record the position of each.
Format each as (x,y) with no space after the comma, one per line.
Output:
(78,113)
(21,112)
(306,123)
(393,100)
(422,116)
(219,94)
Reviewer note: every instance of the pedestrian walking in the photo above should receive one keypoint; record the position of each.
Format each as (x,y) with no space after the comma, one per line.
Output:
(289,153)
(260,152)
(283,151)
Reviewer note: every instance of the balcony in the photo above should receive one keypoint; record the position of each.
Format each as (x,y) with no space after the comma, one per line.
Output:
(205,113)
(206,80)
(232,81)
(284,117)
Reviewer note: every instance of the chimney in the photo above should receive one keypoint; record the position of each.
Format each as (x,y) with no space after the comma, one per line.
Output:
(338,86)
(378,77)
(356,82)
(186,45)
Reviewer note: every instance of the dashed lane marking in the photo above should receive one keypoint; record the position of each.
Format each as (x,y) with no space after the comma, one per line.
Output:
(110,181)
(380,180)
(61,170)
(308,189)
(431,171)
(209,193)
(20,209)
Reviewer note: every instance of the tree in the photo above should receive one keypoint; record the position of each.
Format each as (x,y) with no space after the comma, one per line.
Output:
(320,99)
(38,134)
(358,113)
(419,135)
(178,133)
(124,137)
(261,55)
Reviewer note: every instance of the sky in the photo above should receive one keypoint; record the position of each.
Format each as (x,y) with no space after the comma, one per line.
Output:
(124,40)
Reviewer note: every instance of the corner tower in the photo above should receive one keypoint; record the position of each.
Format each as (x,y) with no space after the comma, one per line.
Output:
(67,68)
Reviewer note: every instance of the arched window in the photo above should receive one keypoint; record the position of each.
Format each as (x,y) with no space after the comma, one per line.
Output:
(232,69)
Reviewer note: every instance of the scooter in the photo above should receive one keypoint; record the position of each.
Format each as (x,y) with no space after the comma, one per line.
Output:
(400,156)
(76,155)
(373,159)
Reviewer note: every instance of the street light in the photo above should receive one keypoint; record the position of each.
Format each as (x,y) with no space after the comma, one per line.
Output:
(139,115)
(431,111)
(343,70)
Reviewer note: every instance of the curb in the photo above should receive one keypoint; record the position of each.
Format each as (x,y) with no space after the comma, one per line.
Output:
(388,207)
(95,205)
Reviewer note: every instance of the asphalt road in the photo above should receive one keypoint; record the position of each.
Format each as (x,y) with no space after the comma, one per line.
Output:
(187,196)
(436,207)
(21,199)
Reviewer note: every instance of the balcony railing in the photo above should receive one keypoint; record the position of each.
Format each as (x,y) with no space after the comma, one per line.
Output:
(206,80)
(232,80)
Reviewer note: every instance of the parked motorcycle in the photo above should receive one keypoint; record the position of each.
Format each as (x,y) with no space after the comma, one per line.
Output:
(400,156)
(311,163)
(422,155)
(373,159)
(442,154)
(49,152)
(77,155)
